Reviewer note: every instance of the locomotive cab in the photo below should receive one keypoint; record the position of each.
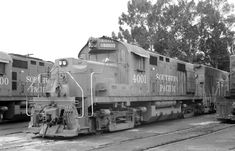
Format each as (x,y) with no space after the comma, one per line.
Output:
(5,85)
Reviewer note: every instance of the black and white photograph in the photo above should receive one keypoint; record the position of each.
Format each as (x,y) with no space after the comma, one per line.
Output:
(117,75)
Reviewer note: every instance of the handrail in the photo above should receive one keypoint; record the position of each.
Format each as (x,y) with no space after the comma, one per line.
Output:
(52,69)
(83,107)
(26,110)
(34,81)
(39,76)
(92,97)
(92,101)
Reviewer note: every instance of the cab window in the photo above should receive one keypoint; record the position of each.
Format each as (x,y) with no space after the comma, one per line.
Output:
(153,60)
(103,56)
(20,64)
(2,68)
(139,63)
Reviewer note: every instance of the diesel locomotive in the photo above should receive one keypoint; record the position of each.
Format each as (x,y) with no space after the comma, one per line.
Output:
(226,105)
(113,85)
(17,72)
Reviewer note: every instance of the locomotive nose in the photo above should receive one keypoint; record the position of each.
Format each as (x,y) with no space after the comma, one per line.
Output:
(67,78)
(58,86)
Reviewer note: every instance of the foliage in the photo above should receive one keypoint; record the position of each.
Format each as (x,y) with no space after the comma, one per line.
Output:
(191,31)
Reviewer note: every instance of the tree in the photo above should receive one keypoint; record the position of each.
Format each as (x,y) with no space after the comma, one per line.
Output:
(182,29)
(215,34)
(136,20)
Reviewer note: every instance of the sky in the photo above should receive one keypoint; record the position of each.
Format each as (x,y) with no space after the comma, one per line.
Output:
(52,29)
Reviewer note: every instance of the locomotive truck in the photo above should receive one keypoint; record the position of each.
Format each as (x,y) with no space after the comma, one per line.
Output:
(17,72)
(113,85)
(226,105)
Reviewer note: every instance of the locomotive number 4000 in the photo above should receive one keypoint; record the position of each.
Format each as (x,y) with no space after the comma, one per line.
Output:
(4,81)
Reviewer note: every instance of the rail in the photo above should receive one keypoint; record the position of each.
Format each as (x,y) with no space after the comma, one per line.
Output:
(26,109)
(83,107)
(92,99)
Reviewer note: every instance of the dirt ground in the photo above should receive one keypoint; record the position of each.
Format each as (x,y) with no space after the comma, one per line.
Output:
(202,133)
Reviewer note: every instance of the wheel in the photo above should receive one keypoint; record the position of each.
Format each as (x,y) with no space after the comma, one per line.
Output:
(1,117)
(188,112)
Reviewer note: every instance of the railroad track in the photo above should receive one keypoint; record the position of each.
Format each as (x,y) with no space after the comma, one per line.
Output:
(13,136)
(205,133)
(164,138)
(12,128)
(115,141)
(20,143)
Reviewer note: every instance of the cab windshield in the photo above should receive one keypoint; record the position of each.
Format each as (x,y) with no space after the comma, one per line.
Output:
(105,56)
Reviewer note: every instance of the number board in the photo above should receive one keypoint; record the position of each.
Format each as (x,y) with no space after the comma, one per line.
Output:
(107,44)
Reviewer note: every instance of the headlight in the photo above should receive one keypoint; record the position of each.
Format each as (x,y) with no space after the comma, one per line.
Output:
(63,63)
(60,63)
